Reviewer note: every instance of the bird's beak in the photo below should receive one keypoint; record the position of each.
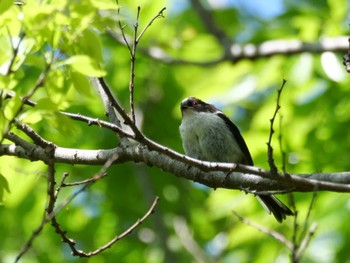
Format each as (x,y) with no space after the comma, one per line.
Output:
(184,105)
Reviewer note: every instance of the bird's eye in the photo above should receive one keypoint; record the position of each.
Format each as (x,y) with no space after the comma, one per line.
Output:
(194,103)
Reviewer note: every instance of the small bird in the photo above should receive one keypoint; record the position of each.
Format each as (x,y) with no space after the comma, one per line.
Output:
(209,135)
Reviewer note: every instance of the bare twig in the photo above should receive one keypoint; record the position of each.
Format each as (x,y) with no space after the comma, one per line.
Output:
(124,234)
(50,148)
(132,50)
(189,243)
(283,153)
(62,183)
(100,123)
(306,221)
(270,159)
(276,235)
(159,15)
(14,49)
(37,139)
(52,215)
(39,83)
(305,236)
(306,241)
(26,101)
(30,241)
(122,28)
(132,67)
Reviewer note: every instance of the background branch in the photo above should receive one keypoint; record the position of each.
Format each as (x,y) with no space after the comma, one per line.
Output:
(276,235)
(252,51)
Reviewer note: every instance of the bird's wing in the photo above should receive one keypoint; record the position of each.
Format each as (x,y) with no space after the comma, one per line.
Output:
(237,135)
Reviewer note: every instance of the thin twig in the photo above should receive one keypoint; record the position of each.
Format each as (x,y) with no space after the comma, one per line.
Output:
(51,202)
(72,243)
(189,243)
(283,153)
(52,216)
(29,242)
(93,179)
(26,101)
(278,236)
(61,184)
(122,28)
(124,234)
(14,49)
(305,235)
(132,67)
(306,241)
(270,159)
(100,123)
(306,222)
(132,51)
(37,139)
(159,15)
(295,233)
(39,83)
(291,197)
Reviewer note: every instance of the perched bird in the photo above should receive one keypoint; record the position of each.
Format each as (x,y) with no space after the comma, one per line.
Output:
(209,135)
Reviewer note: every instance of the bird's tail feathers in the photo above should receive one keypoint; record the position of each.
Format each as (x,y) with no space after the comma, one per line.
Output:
(273,205)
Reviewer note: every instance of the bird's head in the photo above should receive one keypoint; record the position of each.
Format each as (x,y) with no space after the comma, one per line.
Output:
(192,105)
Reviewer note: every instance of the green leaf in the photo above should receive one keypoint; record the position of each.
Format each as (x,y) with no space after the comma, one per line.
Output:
(12,107)
(85,65)
(5,5)
(44,104)
(104,4)
(90,44)
(4,186)
(81,84)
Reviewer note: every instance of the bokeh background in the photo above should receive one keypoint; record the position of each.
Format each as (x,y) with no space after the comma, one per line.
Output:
(177,57)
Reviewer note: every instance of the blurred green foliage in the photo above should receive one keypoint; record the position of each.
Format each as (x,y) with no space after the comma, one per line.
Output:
(72,36)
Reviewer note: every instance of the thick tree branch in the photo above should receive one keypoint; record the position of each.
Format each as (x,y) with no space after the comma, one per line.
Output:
(214,175)
(110,112)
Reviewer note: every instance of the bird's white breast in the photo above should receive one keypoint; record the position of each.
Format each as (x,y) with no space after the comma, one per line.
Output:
(206,136)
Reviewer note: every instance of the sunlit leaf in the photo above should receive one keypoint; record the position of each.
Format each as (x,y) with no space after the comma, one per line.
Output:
(104,4)
(11,107)
(4,187)
(85,65)
(81,84)
(4,5)
(90,45)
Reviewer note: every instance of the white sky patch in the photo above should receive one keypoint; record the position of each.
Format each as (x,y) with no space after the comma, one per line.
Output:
(217,4)
(238,92)
(332,67)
